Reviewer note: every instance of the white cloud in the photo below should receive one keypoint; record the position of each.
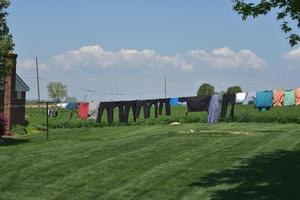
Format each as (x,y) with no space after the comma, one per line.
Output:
(94,56)
(226,59)
(29,64)
(293,55)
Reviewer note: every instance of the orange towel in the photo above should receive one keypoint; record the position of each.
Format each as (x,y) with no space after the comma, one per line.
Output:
(297,92)
(278,97)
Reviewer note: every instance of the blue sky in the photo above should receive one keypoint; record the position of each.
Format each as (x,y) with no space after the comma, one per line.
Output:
(128,47)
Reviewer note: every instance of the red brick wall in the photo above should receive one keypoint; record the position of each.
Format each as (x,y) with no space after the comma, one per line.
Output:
(1,100)
(9,93)
(18,110)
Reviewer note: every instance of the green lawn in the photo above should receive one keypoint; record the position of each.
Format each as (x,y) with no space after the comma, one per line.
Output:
(224,161)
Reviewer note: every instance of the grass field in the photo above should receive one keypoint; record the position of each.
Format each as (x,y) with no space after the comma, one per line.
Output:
(223,161)
(289,114)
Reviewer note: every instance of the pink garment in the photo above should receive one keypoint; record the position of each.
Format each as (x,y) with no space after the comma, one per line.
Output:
(297,96)
(278,97)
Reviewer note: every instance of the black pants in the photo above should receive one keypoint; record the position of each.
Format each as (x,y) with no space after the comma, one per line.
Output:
(142,104)
(198,103)
(109,107)
(227,99)
(127,105)
(161,103)
(155,103)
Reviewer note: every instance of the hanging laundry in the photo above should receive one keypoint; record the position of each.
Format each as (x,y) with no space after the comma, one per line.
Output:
(62,105)
(127,106)
(174,101)
(52,113)
(93,109)
(109,107)
(226,100)
(289,98)
(297,96)
(213,110)
(83,110)
(72,106)
(167,104)
(249,98)
(198,104)
(264,100)
(155,103)
(142,104)
(240,97)
(278,97)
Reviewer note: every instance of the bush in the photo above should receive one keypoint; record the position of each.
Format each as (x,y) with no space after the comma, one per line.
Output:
(19,130)
(3,124)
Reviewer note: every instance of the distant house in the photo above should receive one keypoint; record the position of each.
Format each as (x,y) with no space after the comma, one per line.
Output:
(13,97)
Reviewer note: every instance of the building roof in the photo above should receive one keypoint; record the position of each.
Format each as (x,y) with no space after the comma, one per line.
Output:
(21,86)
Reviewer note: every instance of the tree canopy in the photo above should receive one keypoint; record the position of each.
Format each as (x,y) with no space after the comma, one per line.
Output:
(288,10)
(57,91)
(234,89)
(205,89)
(6,42)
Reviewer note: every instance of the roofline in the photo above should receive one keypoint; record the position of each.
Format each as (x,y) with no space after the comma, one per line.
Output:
(25,85)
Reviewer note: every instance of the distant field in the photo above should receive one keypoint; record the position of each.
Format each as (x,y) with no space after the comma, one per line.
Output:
(291,114)
(226,161)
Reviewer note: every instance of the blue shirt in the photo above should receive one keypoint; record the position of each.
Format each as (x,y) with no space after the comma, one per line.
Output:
(174,101)
(264,100)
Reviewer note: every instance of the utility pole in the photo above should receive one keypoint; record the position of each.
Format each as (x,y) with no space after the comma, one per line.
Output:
(37,77)
(165,79)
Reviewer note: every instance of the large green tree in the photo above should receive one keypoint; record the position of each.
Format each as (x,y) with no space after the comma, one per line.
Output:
(287,11)
(205,89)
(6,42)
(57,91)
(234,89)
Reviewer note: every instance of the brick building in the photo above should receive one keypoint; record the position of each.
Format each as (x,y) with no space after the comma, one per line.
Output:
(13,97)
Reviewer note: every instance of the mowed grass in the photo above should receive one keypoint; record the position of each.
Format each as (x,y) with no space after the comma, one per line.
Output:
(223,161)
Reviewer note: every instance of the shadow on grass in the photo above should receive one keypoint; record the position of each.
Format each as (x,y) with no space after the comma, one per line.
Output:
(12,141)
(267,176)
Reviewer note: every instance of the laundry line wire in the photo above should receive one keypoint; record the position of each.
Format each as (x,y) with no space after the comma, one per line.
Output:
(100,91)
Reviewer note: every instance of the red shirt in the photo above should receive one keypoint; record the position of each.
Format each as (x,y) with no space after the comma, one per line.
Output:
(83,110)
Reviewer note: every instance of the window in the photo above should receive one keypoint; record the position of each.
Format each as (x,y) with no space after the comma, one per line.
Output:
(19,95)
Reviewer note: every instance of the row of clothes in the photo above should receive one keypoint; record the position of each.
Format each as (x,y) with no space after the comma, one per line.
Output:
(215,105)
(70,106)
(264,100)
(136,106)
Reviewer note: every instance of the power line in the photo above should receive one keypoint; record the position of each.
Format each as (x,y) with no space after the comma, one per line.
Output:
(99,91)
(37,77)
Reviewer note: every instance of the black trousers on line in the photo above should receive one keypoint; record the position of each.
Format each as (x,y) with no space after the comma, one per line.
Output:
(153,102)
(142,104)
(161,104)
(108,106)
(228,99)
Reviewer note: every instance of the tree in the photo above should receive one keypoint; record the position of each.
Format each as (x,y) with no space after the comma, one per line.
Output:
(71,99)
(234,89)
(205,89)
(6,42)
(57,91)
(287,10)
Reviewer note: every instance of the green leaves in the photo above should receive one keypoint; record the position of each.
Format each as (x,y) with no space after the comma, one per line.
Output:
(289,9)
(57,91)
(6,41)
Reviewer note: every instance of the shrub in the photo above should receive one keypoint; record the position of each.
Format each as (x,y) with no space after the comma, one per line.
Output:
(19,130)
(3,124)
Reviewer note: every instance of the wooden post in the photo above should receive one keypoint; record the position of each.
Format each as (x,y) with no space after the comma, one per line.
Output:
(47,121)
